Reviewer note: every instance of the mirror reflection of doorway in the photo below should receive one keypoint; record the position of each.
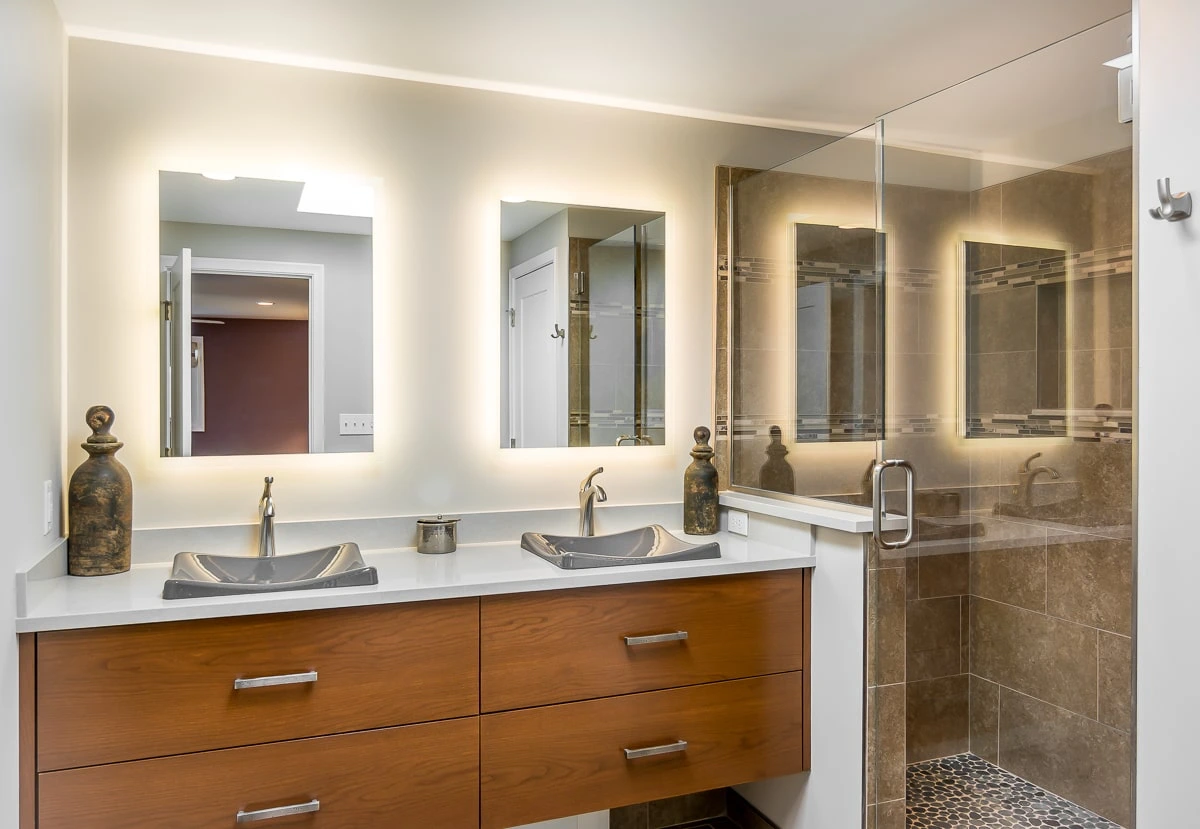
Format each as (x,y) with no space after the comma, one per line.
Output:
(255,364)
(244,366)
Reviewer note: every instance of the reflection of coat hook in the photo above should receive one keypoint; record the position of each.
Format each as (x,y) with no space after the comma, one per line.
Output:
(558,334)
(591,332)
(1175,207)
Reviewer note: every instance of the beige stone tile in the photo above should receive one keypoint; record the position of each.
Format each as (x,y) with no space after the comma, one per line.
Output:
(889,815)
(944,575)
(985,718)
(1091,582)
(1048,658)
(1116,680)
(872,729)
(937,718)
(890,724)
(1014,575)
(1075,757)
(933,634)
(672,811)
(887,642)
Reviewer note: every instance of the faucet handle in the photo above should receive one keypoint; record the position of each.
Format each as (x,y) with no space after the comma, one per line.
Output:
(588,480)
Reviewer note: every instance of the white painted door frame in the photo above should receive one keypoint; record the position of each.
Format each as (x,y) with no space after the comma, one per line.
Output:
(563,311)
(315,274)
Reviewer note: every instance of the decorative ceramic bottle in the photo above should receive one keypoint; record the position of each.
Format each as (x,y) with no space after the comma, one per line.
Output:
(700,488)
(100,504)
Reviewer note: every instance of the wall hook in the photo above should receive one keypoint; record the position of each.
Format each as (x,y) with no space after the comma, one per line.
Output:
(1175,207)
(558,334)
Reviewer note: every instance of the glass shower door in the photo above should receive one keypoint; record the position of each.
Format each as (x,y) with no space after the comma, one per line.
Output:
(1001,675)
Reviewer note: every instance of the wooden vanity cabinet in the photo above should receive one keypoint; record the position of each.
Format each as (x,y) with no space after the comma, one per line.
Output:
(366,717)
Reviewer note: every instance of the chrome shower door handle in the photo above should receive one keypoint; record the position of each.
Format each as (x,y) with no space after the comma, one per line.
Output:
(877,503)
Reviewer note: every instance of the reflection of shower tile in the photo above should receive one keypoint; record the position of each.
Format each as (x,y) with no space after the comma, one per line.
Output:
(1128,383)
(1096,377)
(1004,320)
(1116,680)
(1002,383)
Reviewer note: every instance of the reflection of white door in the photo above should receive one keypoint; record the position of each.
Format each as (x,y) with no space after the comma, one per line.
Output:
(537,358)
(181,354)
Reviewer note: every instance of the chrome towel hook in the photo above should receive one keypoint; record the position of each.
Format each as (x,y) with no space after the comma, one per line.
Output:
(559,334)
(1175,207)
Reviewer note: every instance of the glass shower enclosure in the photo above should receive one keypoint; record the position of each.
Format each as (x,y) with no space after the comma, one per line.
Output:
(953,288)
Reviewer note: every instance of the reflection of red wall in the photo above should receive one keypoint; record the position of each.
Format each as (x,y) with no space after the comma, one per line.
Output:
(255,387)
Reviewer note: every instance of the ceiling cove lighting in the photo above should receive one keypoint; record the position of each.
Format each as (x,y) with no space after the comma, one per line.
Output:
(1123,62)
(338,197)
(219,176)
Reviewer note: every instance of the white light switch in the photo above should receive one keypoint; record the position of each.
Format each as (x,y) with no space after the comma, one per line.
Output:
(357,424)
(47,507)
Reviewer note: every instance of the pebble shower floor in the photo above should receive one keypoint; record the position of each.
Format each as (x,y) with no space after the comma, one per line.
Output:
(965,792)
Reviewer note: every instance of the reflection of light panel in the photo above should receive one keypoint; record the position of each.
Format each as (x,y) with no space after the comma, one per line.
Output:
(337,197)
(1123,62)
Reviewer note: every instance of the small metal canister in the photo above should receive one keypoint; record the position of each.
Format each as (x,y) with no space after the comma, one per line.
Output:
(437,535)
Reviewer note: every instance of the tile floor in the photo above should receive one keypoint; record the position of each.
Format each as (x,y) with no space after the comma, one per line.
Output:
(965,791)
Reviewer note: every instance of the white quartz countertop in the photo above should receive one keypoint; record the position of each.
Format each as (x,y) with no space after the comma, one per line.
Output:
(67,602)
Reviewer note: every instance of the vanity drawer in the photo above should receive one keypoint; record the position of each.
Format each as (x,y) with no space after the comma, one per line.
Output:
(544,763)
(114,694)
(417,775)
(544,648)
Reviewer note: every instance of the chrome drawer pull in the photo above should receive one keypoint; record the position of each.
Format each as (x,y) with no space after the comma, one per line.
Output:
(279,811)
(677,636)
(268,681)
(654,751)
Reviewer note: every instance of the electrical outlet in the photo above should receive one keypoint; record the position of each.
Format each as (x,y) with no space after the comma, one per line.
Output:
(739,522)
(47,507)
(357,424)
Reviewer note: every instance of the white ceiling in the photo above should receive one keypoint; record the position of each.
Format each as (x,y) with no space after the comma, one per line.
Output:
(245,202)
(823,64)
(225,295)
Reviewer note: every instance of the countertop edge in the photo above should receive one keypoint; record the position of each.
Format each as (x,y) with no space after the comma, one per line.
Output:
(488,583)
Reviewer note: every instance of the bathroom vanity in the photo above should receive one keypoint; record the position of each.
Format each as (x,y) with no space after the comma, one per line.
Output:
(545,695)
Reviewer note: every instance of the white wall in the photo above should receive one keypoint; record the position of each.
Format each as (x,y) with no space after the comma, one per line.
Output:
(1168,659)
(445,157)
(347,261)
(32,50)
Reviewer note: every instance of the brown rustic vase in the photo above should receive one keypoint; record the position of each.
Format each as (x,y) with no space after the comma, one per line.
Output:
(100,504)
(700,488)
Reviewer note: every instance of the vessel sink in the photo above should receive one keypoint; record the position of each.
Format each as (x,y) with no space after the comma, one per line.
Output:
(648,545)
(199,574)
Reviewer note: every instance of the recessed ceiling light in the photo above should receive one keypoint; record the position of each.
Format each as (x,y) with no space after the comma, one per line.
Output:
(264,302)
(1123,62)
(338,197)
(219,176)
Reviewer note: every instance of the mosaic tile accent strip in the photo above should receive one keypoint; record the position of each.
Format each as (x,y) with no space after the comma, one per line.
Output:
(1080,426)
(1087,264)
(965,792)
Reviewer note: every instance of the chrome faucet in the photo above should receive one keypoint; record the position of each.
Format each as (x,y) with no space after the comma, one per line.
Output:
(589,494)
(266,523)
(1026,477)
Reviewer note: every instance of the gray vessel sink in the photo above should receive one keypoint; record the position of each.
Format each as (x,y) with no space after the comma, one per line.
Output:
(199,574)
(648,545)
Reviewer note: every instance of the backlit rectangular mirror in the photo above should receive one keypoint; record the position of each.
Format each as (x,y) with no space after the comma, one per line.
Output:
(266,320)
(1047,338)
(583,334)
